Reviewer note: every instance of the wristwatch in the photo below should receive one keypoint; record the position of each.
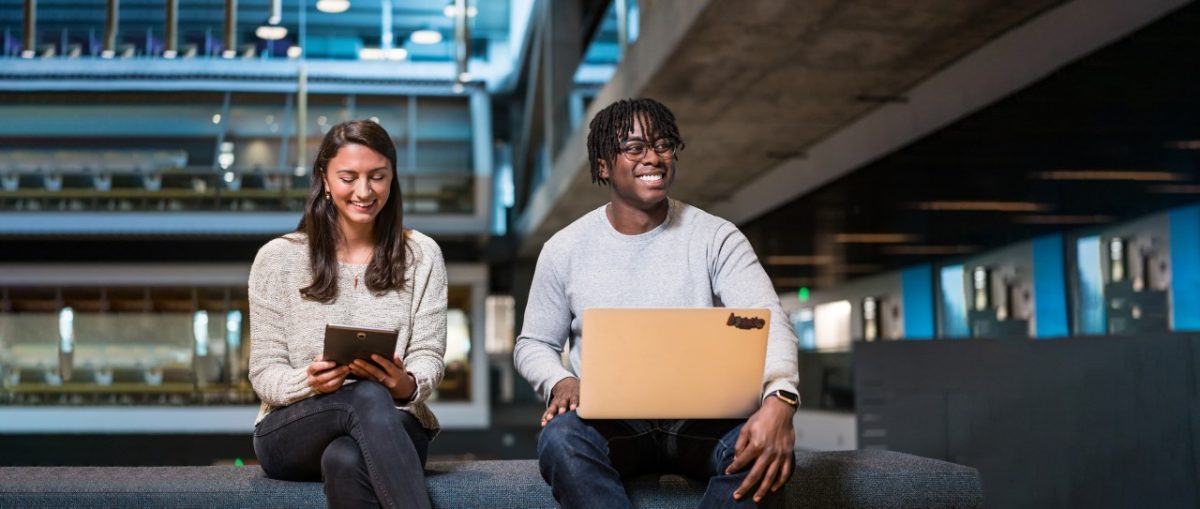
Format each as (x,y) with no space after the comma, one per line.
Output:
(787,397)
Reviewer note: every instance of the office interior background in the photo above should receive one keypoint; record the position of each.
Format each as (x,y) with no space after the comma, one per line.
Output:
(982,217)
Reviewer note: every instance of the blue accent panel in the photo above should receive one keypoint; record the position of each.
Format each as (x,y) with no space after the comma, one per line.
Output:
(1049,287)
(1185,267)
(916,286)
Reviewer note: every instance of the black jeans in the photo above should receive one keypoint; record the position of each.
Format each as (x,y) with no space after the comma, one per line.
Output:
(368,452)
(585,460)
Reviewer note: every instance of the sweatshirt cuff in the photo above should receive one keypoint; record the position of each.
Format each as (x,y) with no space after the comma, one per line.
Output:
(781,385)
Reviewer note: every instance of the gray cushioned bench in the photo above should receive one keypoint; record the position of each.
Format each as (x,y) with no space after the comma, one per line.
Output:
(823,479)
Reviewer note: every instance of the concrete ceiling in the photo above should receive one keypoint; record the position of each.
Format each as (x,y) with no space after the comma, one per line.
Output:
(754,84)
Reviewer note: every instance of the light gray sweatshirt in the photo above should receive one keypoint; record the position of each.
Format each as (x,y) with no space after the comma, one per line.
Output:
(287,331)
(693,259)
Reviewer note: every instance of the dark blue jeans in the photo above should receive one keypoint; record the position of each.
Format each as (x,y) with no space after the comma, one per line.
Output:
(584,460)
(369,453)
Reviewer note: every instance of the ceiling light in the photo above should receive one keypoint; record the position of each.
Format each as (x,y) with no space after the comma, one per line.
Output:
(983,206)
(216,118)
(851,268)
(1184,145)
(799,260)
(1144,176)
(382,54)
(426,36)
(269,32)
(930,250)
(1062,219)
(1176,189)
(873,238)
(792,281)
(450,11)
(333,6)
(294,52)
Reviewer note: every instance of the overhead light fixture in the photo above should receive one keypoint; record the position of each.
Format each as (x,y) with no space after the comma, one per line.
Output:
(1176,189)
(799,260)
(426,36)
(930,250)
(851,268)
(216,118)
(268,32)
(382,54)
(982,206)
(1184,144)
(294,51)
(333,6)
(1062,219)
(1139,176)
(451,11)
(792,281)
(271,31)
(874,238)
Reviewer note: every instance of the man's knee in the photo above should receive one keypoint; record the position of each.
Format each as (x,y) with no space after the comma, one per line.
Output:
(341,458)
(561,431)
(567,436)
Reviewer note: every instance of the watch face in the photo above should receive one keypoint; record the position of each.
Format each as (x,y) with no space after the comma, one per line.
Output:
(788,397)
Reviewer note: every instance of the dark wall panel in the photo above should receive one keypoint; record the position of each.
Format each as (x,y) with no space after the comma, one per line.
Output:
(1085,422)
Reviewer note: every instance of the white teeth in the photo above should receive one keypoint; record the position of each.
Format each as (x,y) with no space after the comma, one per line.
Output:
(651,178)
(362,204)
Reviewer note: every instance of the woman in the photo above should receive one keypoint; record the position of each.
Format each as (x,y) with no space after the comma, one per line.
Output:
(349,262)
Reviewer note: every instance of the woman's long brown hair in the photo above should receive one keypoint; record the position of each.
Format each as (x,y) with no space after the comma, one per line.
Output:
(320,221)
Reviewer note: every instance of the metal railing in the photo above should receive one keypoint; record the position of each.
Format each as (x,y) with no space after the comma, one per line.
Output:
(41,188)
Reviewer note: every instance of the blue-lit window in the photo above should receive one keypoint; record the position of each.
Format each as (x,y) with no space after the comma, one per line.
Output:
(1091,318)
(954,303)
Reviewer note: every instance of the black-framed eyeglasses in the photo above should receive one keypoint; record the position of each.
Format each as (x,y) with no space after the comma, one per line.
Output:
(636,150)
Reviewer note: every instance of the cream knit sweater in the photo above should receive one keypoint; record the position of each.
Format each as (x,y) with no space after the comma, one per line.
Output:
(287,331)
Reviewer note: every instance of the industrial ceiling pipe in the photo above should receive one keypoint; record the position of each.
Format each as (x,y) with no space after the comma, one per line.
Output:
(29,48)
(462,39)
(230,28)
(110,29)
(172,47)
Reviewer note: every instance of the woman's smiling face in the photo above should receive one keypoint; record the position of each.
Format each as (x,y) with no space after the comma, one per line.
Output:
(359,182)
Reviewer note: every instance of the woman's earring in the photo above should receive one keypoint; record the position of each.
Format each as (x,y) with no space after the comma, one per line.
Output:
(327,197)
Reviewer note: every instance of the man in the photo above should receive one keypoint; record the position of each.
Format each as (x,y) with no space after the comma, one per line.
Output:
(643,249)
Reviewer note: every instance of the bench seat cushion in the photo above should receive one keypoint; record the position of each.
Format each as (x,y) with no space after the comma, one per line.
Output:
(866,479)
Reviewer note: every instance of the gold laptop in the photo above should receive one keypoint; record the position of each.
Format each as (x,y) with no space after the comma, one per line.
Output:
(672,363)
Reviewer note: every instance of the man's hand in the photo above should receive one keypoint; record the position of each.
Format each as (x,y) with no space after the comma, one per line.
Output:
(399,382)
(564,397)
(766,445)
(326,376)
